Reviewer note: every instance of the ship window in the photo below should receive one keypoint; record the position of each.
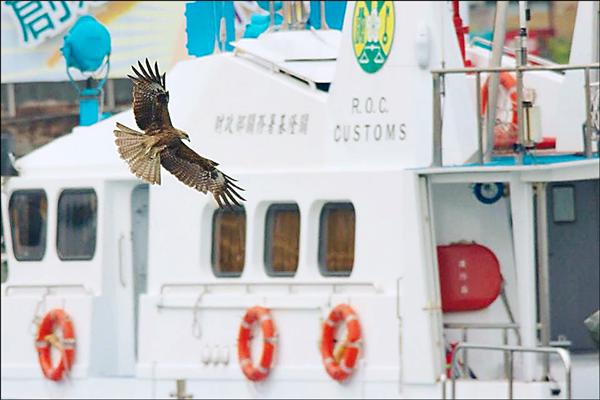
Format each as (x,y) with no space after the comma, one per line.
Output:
(229,242)
(563,203)
(282,239)
(76,230)
(336,239)
(28,210)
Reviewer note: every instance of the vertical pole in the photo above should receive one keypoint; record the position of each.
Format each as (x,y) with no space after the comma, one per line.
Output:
(479,118)
(323,19)
(587,138)
(505,343)
(520,130)
(495,61)
(510,374)
(465,358)
(272,13)
(523,240)
(543,272)
(437,122)
(11,100)
(521,61)
(110,95)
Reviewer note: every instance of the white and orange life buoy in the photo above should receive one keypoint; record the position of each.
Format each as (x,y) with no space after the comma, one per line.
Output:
(261,371)
(339,362)
(46,337)
(508,82)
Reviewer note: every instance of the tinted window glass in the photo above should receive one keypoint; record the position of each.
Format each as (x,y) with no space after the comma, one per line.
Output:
(28,211)
(282,239)
(76,231)
(336,239)
(229,241)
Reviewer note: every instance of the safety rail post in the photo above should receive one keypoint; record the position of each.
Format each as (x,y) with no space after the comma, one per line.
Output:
(587,138)
(465,355)
(543,269)
(443,381)
(505,343)
(520,150)
(437,121)
(480,150)
(562,353)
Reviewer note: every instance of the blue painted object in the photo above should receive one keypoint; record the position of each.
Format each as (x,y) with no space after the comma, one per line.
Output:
(203,20)
(478,190)
(86,45)
(87,48)
(260,23)
(334,14)
(89,106)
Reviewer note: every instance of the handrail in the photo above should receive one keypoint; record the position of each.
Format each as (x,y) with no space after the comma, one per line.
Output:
(523,68)
(522,144)
(465,326)
(480,325)
(247,285)
(562,353)
(120,247)
(48,288)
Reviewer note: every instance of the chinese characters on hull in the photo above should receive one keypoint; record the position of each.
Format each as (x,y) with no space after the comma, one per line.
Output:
(268,123)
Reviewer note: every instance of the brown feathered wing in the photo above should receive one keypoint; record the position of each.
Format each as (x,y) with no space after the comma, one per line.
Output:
(150,98)
(200,173)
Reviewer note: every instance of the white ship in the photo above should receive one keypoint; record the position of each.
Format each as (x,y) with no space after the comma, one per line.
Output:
(372,195)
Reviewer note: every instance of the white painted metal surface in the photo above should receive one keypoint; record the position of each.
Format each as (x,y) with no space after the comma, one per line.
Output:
(189,319)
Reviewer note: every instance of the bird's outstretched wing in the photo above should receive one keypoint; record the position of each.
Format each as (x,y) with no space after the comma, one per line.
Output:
(200,173)
(150,98)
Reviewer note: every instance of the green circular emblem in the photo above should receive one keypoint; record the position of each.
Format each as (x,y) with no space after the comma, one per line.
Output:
(372,33)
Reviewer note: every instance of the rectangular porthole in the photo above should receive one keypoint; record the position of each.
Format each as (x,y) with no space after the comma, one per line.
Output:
(228,242)
(77,222)
(28,212)
(336,239)
(563,203)
(282,239)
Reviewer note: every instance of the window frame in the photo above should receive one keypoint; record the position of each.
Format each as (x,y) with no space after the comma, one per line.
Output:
(213,261)
(82,190)
(321,253)
(44,232)
(268,248)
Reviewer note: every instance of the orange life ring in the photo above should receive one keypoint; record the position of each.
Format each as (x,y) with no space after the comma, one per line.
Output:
(341,365)
(261,371)
(46,338)
(510,84)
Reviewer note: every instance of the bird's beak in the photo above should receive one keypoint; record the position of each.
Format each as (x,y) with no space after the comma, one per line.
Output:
(188,139)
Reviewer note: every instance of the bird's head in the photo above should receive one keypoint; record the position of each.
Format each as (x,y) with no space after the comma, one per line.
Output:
(183,135)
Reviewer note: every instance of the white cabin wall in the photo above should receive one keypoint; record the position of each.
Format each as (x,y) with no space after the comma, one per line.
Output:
(407,90)
(385,252)
(460,216)
(51,270)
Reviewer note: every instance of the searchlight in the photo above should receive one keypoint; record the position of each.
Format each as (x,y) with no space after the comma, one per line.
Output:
(87,48)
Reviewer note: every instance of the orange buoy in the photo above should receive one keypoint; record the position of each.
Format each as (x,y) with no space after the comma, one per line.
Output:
(46,337)
(339,364)
(261,371)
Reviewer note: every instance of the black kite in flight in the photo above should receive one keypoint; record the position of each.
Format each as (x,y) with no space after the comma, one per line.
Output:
(161,144)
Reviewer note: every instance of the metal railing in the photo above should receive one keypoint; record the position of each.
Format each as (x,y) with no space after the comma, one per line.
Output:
(509,350)
(48,288)
(247,285)
(439,91)
(466,326)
